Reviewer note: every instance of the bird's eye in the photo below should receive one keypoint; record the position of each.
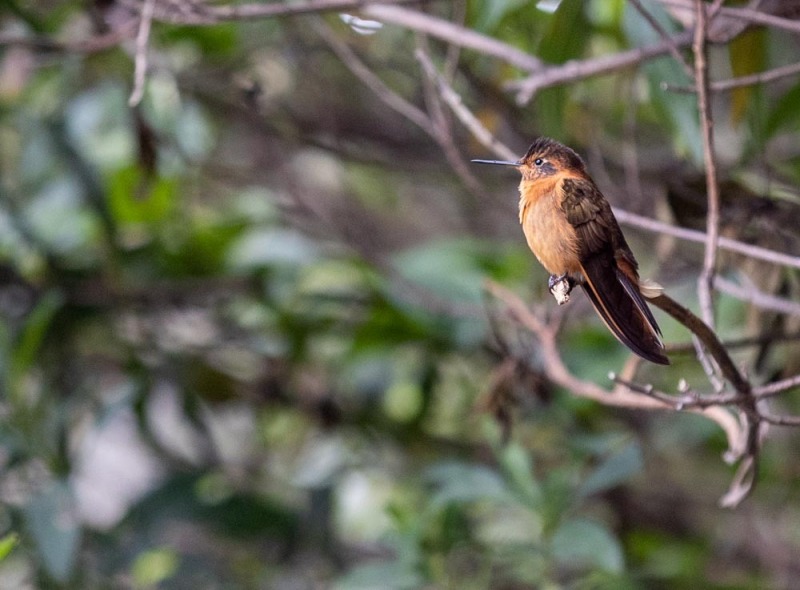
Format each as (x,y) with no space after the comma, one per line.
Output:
(538,161)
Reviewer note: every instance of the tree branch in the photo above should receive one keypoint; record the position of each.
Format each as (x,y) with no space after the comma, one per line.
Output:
(388,96)
(453,34)
(557,372)
(577,70)
(749,80)
(467,118)
(706,280)
(140,62)
(691,235)
(200,13)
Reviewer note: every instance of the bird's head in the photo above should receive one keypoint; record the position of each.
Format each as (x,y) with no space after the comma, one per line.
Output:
(546,157)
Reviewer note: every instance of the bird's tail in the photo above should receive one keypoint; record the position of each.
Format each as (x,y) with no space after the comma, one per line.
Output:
(619,302)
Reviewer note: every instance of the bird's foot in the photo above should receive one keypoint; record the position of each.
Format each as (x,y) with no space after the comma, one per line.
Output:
(560,286)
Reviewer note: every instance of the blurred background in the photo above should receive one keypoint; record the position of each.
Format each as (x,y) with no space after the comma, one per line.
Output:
(244,335)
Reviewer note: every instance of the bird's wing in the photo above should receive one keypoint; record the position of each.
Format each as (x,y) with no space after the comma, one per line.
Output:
(611,280)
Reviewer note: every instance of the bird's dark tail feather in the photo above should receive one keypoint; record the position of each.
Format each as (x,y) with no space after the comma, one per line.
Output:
(620,304)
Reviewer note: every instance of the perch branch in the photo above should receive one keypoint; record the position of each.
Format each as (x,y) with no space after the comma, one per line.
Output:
(621,396)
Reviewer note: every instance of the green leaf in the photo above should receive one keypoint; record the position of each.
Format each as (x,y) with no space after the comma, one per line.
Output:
(154,566)
(50,517)
(137,198)
(239,515)
(203,251)
(7,544)
(584,544)
(217,42)
(449,269)
(516,461)
(45,217)
(392,575)
(26,350)
(460,482)
(560,43)
(265,247)
(616,469)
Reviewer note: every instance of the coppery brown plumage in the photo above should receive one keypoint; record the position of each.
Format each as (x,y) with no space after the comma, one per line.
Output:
(571,229)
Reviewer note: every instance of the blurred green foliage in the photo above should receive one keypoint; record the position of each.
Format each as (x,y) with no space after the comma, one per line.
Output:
(244,340)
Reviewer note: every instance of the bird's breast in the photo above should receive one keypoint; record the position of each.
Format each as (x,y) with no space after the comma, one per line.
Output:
(550,236)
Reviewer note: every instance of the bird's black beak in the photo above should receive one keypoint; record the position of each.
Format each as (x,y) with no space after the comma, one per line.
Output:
(497,162)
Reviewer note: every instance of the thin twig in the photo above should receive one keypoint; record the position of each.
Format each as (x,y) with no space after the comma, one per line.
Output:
(140,62)
(762,18)
(739,342)
(673,48)
(443,130)
(577,70)
(467,118)
(749,80)
(688,398)
(369,79)
(459,16)
(756,297)
(781,420)
(772,389)
(745,14)
(705,282)
(742,484)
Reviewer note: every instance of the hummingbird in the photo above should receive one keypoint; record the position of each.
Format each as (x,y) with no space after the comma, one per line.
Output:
(570,228)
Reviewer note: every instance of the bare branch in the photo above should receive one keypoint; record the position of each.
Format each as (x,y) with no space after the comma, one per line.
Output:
(673,48)
(689,398)
(467,118)
(740,342)
(372,81)
(706,280)
(777,387)
(742,484)
(781,420)
(200,13)
(696,326)
(576,70)
(749,417)
(750,80)
(745,14)
(557,372)
(442,128)
(453,34)
(691,235)
(756,297)
(762,18)
(140,63)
